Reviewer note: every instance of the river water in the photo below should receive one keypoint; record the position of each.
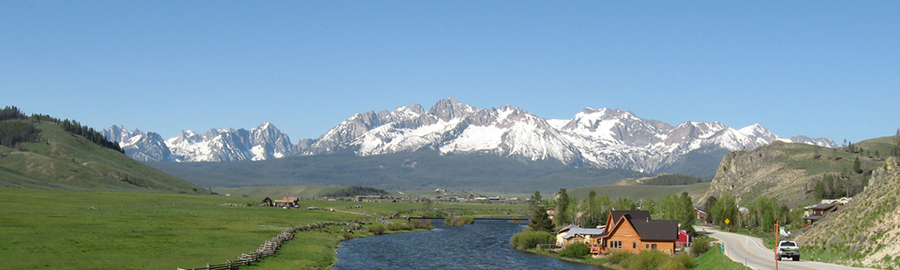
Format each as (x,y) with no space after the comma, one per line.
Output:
(483,245)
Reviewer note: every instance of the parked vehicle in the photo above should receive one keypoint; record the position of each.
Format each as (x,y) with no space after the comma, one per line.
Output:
(788,249)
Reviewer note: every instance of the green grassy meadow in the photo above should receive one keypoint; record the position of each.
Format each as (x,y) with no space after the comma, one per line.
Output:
(44,229)
(51,229)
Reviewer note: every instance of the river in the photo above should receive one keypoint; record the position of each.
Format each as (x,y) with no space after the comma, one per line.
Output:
(483,245)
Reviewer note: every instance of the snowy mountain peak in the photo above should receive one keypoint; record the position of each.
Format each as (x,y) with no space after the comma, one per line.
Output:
(265,125)
(450,108)
(603,138)
(755,129)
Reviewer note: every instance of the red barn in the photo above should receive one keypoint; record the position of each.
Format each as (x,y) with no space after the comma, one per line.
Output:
(684,239)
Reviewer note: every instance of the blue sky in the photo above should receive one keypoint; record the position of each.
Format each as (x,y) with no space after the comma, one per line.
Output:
(816,68)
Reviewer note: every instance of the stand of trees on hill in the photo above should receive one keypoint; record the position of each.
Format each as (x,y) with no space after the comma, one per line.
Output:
(14,132)
(353,191)
(846,184)
(90,134)
(671,180)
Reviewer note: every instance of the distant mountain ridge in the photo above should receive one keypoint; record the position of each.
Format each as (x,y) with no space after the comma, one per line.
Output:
(216,145)
(601,138)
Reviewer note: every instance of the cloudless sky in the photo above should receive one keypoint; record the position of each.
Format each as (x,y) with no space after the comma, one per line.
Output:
(815,68)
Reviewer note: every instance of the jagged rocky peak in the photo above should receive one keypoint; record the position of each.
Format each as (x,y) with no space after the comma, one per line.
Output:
(266,125)
(450,108)
(267,129)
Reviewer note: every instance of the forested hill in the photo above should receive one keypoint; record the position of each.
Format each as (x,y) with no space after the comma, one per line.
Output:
(15,132)
(40,151)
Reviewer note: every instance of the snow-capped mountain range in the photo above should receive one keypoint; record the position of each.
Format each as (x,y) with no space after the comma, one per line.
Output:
(602,138)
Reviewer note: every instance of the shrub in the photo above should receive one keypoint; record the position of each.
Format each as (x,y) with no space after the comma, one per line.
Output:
(459,221)
(399,227)
(672,264)
(576,249)
(684,259)
(619,257)
(647,260)
(701,245)
(419,224)
(377,229)
(467,219)
(528,239)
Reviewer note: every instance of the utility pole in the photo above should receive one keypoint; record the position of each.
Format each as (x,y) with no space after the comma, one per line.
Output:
(776,244)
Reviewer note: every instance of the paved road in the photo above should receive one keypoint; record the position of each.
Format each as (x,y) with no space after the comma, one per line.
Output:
(751,252)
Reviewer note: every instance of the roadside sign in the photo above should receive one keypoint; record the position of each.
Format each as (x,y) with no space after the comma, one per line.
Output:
(727,221)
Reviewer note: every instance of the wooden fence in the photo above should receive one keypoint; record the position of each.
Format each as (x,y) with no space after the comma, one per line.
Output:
(269,247)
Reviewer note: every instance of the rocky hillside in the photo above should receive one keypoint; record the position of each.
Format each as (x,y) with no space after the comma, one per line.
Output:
(867,230)
(791,171)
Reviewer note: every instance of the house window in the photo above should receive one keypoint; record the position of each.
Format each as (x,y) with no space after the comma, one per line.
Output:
(647,246)
(634,245)
(653,246)
(615,244)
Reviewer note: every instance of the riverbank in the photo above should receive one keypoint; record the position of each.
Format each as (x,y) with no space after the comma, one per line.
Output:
(315,249)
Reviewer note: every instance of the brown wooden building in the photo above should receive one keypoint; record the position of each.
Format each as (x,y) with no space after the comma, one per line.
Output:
(634,231)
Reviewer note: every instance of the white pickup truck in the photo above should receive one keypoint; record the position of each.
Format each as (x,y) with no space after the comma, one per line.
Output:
(788,249)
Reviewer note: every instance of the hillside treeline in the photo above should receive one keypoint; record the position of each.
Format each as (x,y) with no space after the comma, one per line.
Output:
(90,134)
(14,132)
(353,191)
(844,185)
(671,180)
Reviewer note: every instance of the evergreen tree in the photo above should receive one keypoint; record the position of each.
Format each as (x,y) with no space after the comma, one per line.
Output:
(819,190)
(562,208)
(708,206)
(686,213)
(540,221)
(535,201)
(857,166)
(591,210)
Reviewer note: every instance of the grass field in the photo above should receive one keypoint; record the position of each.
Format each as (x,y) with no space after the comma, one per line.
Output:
(47,229)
